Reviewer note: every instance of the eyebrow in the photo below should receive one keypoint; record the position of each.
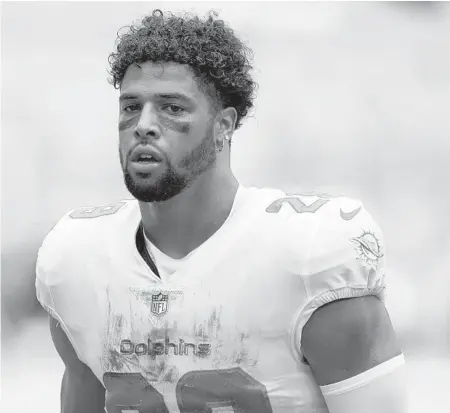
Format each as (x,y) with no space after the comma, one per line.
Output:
(179,96)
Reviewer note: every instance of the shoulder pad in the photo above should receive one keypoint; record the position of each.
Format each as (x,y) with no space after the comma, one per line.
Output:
(70,232)
(62,282)
(338,230)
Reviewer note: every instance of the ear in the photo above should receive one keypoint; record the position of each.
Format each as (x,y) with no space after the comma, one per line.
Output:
(225,124)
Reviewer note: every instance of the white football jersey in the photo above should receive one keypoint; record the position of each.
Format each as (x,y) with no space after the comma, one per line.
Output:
(223,332)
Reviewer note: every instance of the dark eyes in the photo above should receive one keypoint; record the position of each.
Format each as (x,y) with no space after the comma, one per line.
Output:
(174,109)
(171,108)
(131,108)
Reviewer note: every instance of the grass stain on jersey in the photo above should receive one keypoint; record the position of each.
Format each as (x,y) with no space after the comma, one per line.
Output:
(117,324)
(144,296)
(113,361)
(210,328)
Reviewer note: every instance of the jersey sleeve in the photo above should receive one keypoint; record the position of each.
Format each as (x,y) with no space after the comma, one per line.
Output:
(48,260)
(59,266)
(54,290)
(341,255)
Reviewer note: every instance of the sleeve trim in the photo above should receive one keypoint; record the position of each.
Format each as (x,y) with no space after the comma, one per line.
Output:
(363,378)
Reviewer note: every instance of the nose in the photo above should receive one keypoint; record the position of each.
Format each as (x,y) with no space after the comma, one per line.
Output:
(147,126)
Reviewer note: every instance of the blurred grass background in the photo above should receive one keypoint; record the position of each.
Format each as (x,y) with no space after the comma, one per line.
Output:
(353,98)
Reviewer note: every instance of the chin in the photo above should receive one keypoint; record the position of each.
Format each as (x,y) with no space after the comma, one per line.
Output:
(161,190)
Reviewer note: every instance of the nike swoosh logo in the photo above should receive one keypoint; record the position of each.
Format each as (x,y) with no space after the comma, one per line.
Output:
(347,216)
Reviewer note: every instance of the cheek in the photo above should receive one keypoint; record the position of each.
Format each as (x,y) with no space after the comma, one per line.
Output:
(125,141)
(182,126)
(128,123)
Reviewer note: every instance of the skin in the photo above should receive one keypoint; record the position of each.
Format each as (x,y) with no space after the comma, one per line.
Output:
(190,194)
(81,391)
(347,337)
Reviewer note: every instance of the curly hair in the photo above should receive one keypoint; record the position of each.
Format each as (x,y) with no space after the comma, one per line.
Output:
(208,46)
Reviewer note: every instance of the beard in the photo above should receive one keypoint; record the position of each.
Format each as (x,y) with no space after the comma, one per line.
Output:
(174,179)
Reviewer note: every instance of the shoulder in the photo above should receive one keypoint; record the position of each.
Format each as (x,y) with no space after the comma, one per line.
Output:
(311,207)
(316,207)
(83,221)
(302,217)
(66,285)
(78,231)
(320,232)
(94,217)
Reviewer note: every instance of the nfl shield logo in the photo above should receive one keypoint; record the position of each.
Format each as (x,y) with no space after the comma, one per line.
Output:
(159,303)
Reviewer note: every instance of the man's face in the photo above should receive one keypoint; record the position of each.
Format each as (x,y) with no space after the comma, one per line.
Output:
(166,130)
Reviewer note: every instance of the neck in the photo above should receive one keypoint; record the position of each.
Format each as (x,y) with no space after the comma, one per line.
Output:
(181,224)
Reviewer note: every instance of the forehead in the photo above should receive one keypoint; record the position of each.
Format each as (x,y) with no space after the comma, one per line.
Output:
(150,77)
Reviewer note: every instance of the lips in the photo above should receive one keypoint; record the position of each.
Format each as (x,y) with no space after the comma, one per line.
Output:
(143,154)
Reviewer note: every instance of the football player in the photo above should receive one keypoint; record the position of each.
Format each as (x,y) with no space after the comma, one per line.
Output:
(202,295)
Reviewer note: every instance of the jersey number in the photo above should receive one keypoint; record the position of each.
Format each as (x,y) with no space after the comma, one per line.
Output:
(209,391)
(297,204)
(95,212)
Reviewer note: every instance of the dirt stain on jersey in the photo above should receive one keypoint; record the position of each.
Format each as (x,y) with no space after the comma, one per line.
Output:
(161,370)
(116,362)
(116,325)
(226,346)
(210,328)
